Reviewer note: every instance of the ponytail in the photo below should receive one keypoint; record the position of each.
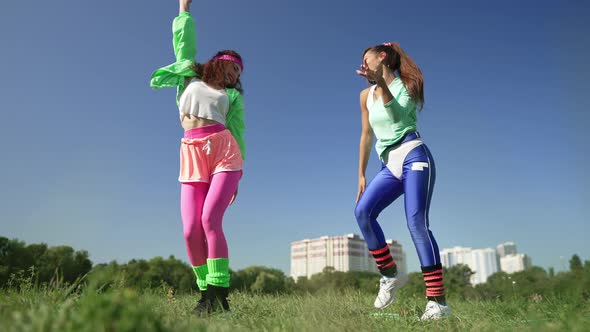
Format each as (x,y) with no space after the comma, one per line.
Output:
(410,74)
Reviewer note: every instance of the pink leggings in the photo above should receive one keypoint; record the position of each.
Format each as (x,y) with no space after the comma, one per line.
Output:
(202,206)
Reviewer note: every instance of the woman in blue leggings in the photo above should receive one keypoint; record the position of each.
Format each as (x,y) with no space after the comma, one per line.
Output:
(388,112)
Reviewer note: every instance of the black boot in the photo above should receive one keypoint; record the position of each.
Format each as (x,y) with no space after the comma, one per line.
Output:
(218,297)
(204,305)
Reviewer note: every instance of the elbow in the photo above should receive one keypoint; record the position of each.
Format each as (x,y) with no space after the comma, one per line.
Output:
(390,105)
(366,137)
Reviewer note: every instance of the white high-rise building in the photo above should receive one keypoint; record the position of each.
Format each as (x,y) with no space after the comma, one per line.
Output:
(481,261)
(515,263)
(507,248)
(343,253)
(484,263)
(454,256)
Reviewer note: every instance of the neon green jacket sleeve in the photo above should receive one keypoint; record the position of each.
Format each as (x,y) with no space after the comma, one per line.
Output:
(234,120)
(174,75)
(185,50)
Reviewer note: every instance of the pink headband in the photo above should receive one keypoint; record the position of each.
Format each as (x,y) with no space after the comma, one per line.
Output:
(230,58)
(387,44)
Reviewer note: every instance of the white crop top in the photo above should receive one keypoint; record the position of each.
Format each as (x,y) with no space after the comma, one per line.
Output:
(203,101)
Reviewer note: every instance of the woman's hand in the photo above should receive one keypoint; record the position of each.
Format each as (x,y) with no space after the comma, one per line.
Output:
(362,186)
(371,75)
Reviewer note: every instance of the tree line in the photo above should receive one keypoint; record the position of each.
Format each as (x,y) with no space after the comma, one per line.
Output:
(44,265)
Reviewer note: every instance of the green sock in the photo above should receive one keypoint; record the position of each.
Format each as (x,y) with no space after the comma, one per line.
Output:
(201,272)
(218,272)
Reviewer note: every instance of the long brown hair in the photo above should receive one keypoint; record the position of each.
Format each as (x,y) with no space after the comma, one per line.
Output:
(213,72)
(410,74)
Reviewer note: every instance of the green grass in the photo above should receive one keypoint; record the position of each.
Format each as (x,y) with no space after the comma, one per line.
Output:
(71,309)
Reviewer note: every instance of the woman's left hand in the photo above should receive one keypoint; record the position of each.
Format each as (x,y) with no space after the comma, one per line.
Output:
(371,75)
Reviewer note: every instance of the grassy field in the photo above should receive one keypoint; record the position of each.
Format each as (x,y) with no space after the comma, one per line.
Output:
(68,309)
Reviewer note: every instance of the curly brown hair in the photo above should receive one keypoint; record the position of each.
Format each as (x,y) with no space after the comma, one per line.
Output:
(410,74)
(213,72)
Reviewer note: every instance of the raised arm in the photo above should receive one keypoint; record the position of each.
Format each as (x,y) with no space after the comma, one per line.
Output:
(185,49)
(184,6)
(400,105)
(185,36)
(376,76)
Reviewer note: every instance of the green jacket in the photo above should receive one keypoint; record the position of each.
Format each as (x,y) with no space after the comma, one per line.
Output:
(185,50)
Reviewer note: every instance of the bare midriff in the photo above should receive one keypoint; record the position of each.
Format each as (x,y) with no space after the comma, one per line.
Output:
(190,121)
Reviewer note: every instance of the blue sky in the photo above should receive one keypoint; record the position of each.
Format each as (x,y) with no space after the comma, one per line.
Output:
(90,152)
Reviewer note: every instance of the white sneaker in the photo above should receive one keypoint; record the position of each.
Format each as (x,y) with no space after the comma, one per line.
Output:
(387,289)
(435,310)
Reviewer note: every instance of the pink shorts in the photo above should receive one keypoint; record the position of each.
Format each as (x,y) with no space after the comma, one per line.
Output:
(207,150)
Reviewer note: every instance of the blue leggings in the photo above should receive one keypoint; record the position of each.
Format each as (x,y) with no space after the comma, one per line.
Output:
(416,181)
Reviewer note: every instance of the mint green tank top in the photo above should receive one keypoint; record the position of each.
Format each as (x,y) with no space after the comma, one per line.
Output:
(392,121)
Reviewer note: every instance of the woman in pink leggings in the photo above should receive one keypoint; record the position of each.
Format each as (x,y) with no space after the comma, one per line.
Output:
(209,98)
